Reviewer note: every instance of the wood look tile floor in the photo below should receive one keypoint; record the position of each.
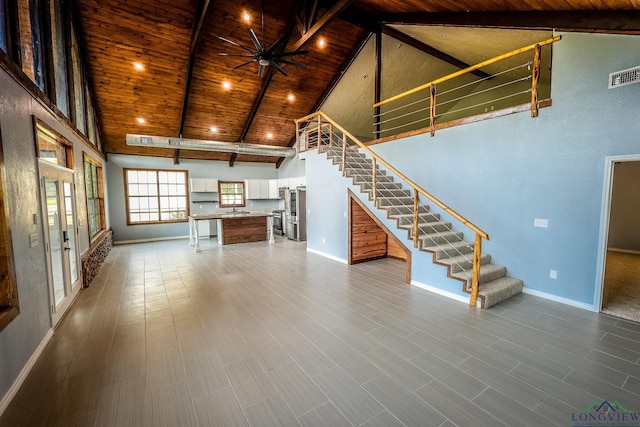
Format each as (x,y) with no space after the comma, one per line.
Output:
(272,335)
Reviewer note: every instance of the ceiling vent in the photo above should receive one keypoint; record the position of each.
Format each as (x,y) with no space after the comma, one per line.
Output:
(624,77)
(197,144)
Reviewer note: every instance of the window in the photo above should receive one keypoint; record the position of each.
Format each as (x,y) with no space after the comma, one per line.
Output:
(156,196)
(59,58)
(78,87)
(95,195)
(9,307)
(37,43)
(52,147)
(231,194)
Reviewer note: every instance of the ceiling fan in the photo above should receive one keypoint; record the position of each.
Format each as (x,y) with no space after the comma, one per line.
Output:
(263,56)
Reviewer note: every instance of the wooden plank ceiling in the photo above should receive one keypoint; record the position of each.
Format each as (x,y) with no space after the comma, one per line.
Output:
(180,90)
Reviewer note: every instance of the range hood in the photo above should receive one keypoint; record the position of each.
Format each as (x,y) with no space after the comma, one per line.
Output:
(198,144)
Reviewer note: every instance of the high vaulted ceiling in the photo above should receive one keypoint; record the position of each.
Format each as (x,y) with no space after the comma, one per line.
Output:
(180,90)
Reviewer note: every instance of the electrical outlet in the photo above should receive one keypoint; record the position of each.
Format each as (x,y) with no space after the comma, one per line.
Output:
(541,222)
(345,214)
(553,274)
(323,240)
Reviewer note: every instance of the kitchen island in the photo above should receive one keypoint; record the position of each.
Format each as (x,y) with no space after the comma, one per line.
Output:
(234,227)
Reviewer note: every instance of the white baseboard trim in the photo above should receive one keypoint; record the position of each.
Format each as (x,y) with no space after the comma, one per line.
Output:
(451,295)
(562,300)
(157,239)
(6,400)
(335,258)
(626,251)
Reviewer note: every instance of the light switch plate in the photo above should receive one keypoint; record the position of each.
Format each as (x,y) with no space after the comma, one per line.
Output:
(541,222)
(33,240)
(553,274)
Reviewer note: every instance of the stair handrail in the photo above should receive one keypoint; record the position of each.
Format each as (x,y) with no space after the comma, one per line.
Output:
(479,233)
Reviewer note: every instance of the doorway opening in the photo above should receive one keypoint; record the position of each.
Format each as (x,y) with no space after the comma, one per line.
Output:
(619,281)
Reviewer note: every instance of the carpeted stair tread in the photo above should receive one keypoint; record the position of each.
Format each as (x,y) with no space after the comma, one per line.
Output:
(488,273)
(464,262)
(448,250)
(435,239)
(499,290)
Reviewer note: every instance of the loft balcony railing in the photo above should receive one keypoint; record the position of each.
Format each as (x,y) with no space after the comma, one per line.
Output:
(511,83)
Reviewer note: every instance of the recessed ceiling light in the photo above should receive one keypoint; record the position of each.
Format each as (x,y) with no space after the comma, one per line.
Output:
(246,16)
(140,120)
(291,97)
(226,85)
(213,129)
(322,42)
(269,135)
(138,66)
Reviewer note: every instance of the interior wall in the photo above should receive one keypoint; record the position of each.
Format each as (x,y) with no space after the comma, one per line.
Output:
(624,226)
(504,173)
(20,338)
(197,169)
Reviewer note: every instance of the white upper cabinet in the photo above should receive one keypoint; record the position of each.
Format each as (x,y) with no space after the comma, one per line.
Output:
(261,188)
(204,185)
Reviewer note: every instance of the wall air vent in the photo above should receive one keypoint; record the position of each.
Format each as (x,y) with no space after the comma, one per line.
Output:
(624,77)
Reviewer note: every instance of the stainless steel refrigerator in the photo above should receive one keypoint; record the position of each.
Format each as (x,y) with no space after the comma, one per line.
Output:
(296,213)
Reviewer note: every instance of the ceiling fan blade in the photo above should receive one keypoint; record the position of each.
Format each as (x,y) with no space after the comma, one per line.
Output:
(235,44)
(284,61)
(243,64)
(255,40)
(261,70)
(295,52)
(279,68)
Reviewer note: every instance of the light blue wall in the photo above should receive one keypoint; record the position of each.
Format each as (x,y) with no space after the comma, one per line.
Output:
(503,173)
(21,337)
(197,169)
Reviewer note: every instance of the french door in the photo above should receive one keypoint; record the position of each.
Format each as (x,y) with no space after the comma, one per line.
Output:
(60,235)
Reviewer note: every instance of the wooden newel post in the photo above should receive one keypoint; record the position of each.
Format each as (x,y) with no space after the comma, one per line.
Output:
(298,138)
(344,154)
(416,202)
(432,109)
(535,80)
(373,181)
(475,277)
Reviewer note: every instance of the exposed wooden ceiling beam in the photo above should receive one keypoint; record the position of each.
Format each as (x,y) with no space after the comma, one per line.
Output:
(429,50)
(266,81)
(322,22)
(592,21)
(195,40)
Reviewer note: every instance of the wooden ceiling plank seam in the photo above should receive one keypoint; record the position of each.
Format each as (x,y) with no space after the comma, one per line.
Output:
(430,50)
(602,21)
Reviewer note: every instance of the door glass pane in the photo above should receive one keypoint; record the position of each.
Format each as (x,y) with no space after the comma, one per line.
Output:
(71,234)
(55,239)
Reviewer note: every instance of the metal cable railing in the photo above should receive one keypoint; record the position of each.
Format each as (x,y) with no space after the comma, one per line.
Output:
(404,113)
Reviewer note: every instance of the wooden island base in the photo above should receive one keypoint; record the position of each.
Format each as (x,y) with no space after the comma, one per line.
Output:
(243,229)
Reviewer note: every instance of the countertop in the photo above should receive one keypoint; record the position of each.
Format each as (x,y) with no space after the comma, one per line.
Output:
(227,215)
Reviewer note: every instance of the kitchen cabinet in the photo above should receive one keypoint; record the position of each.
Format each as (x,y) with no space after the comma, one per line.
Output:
(273,189)
(204,185)
(261,189)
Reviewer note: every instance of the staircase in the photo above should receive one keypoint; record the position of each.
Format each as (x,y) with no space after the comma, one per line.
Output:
(435,236)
